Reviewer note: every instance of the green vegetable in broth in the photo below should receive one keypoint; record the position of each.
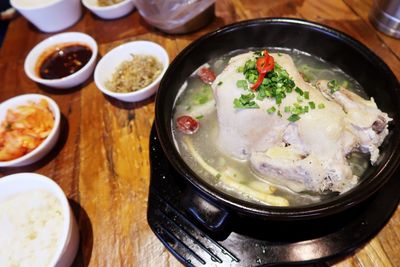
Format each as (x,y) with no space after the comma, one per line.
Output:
(333,85)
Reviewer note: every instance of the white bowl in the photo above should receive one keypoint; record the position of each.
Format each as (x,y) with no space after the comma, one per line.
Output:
(109,12)
(67,246)
(45,147)
(69,81)
(109,63)
(50,16)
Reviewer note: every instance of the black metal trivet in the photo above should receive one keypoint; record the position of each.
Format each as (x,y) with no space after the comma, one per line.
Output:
(258,243)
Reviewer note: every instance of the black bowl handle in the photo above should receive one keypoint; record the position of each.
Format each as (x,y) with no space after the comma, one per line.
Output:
(213,217)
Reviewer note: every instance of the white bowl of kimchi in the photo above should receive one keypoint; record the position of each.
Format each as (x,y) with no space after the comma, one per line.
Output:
(29,129)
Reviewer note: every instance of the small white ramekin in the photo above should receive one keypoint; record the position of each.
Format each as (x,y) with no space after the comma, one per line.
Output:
(31,61)
(24,182)
(109,12)
(52,17)
(109,63)
(45,147)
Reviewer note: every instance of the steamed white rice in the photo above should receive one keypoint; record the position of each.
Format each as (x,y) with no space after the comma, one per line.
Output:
(31,225)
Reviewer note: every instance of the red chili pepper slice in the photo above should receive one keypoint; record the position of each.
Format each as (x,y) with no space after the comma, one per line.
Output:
(206,75)
(259,81)
(264,65)
(187,124)
(261,65)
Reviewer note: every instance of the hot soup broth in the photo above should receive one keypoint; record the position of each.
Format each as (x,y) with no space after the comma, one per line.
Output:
(237,177)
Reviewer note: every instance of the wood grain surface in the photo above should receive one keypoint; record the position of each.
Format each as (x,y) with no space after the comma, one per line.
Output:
(102,158)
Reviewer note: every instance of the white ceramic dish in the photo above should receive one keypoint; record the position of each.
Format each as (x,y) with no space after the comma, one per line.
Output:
(67,246)
(49,16)
(109,12)
(45,147)
(109,63)
(69,81)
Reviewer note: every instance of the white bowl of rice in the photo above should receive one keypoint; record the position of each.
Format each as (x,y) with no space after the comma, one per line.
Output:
(37,225)
(132,72)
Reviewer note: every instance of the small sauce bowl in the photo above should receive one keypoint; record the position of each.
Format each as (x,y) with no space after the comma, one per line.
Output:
(47,144)
(110,62)
(34,58)
(109,12)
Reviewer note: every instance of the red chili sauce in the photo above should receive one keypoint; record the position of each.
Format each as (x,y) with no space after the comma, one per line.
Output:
(63,60)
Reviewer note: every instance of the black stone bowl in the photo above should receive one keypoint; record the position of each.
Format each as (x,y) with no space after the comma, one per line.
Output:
(213,207)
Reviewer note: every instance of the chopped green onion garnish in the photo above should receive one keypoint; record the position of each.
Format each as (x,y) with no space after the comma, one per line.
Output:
(293,118)
(218,175)
(200,117)
(321,106)
(219,83)
(297,110)
(245,101)
(250,64)
(299,91)
(275,85)
(278,100)
(242,84)
(271,110)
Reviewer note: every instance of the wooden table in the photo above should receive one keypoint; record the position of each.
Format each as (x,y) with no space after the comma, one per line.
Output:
(102,159)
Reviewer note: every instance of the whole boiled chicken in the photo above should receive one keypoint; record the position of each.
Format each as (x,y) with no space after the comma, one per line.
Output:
(306,152)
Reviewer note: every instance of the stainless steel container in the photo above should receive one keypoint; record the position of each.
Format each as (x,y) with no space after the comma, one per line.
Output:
(385,15)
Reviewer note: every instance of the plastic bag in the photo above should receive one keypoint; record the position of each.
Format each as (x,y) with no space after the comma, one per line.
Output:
(176,16)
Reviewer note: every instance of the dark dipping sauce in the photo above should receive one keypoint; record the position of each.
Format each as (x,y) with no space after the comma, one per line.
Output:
(64,60)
